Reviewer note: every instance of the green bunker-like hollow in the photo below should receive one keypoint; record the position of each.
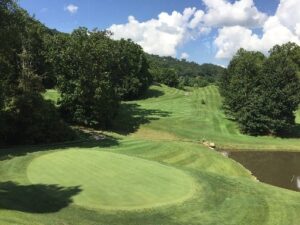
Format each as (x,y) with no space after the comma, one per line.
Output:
(112,181)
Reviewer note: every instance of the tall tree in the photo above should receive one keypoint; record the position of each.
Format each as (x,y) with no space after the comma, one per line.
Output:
(281,87)
(25,116)
(241,79)
(82,62)
(263,93)
(131,70)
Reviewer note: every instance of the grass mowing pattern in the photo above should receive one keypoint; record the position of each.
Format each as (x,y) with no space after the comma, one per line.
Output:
(189,119)
(112,181)
(163,129)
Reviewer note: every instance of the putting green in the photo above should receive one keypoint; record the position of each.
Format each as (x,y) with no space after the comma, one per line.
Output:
(112,181)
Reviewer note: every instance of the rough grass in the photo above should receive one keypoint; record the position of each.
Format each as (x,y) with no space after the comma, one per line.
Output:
(164,130)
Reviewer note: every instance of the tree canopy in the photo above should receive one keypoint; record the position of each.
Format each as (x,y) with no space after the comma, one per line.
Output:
(262,93)
(25,116)
(183,72)
(92,72)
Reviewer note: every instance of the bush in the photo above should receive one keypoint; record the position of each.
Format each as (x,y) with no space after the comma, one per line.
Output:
(32,120)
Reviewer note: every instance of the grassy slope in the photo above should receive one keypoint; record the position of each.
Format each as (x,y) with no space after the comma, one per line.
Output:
(105,182)
(189,119)
(172,125)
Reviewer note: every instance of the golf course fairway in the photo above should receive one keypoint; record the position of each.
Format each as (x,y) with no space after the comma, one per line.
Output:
(112,181)
(150,169)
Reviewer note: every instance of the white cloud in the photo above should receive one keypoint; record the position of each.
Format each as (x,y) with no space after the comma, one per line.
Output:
(298,29)
(278,29)
(198,17)
(235,21)
(71,8)
(230,39)
(221,65)
(165,34)
(184,55)
(288,13)
(240,13)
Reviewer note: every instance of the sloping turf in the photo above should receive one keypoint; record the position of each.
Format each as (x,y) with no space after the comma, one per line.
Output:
(112,181)
(187,118)
(157,134)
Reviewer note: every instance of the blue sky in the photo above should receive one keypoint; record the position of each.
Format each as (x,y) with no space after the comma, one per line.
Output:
(201,47)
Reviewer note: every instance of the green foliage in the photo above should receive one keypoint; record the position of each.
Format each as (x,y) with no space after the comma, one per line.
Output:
(94,73)
(131,69)
(263,93)
(86,84)
(25,117)
(281,87)
(195,81)
(165,76)
(32,120)
(240,79)
(189,73)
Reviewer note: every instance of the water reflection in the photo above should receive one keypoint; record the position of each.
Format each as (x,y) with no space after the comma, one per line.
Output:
(281,169)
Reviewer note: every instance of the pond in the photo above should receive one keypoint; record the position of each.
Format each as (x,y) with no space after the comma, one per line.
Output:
(280,169)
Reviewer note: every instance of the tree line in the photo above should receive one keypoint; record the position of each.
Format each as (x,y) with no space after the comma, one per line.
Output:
(179,73)
(92,72)
(262,93)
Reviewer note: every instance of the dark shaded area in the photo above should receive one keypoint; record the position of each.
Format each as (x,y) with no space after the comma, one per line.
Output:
(293,132)
(151,93)
(280,169)
(35,198)
(132,116)
(88,142)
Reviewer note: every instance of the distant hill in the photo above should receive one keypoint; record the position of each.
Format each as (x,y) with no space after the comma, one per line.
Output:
(185,68)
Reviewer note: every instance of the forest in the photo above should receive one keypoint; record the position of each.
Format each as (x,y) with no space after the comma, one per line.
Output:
(92,72)
(180,73)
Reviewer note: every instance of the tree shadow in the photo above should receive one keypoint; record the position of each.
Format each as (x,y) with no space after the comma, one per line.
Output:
(293,132)
(132,116)
(151,93)
(37,198)
(89,142)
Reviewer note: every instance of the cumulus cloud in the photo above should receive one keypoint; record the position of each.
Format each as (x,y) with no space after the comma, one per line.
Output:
(277,29)
(71,8)
(288,13)
(230,39)
(165,34)
(184,55)
(236,22)
(240,13)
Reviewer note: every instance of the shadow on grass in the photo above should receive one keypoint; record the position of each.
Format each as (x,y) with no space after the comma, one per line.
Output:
(152,93)
(132,116)
(35,198)
(293,132)
(11,152)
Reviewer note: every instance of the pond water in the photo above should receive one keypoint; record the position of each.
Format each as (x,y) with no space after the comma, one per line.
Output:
(281,169)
